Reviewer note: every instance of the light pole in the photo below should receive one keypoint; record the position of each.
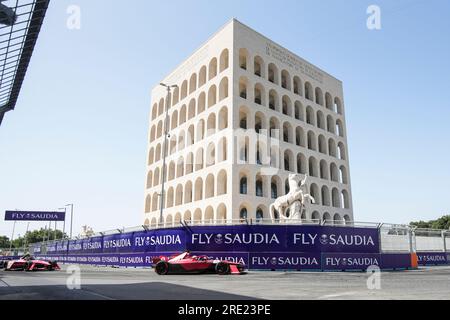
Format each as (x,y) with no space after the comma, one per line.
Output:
(71,217)
(12,236)
(64,222)
(166,132)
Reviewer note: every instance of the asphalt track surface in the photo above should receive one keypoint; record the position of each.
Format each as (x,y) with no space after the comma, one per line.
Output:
(144,284)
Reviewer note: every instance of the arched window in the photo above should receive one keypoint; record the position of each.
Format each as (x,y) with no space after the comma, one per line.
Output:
(319,96)
(198,189)
(193,83)
(299,112)
(327,218)
(301,164)
(184,90)
(312,143)
(148,202)
(243,214)
(191,109)
(201,103)
(154,111)
(328,101)
(308,91)
(310,119)
(341,151)
(243,58)
(313,167)
(224,60)
(315,217)
(209,186)
(297,86)
(259,94)
(314,191)
(345,201)
(212,69)
(259,122)
(273,100)
(273,190)
(223,89)
(299,137)
(243,185)
(202,76)
(212,96)
(211,155)
(243,85)
(222,183)
(175,96)
(258,66)
(287,106)
(259,187)
(285,80)
(336,199)
(339,128)
(337,105)
(288,161)
(273,73)
(259,215)
(325,196)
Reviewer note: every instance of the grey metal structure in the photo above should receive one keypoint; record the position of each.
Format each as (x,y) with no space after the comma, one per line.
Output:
(20,24)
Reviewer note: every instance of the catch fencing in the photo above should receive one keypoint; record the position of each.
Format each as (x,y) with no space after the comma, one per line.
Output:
(262,244)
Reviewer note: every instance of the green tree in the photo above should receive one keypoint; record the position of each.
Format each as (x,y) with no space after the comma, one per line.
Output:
(443,223)
(4,242)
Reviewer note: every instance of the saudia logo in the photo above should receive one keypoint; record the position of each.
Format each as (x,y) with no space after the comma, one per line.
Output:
(92,245)
(119,243)
(333,239)
(157,240)
(219,239)
(349,262)
(285,261)
(238,238)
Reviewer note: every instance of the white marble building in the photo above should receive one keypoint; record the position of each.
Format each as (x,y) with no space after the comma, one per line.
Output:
(218,168)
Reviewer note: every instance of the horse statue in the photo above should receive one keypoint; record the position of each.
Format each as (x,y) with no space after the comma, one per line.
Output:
(294,201)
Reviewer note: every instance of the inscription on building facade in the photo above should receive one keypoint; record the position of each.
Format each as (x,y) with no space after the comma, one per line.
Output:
(290,60)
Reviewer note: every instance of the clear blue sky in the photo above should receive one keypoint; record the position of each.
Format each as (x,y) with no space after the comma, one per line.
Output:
(79,131)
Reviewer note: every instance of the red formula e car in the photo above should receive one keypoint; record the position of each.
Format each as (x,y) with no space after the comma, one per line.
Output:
(28,263)
(186,263)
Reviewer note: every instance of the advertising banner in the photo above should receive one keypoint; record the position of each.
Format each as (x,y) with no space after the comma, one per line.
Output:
(34,216)
(279,261)
(285,261)
(284,239)
(432,258)
(395,260)
(350,261)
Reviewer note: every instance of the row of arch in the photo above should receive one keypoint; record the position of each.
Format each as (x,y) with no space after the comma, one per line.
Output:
(295,110)
(178,141)
(219,215)
(195,81)
(210,214)
(259,186)
(286,133)
(215,152)
(283,78)
(213,185)
(192,109)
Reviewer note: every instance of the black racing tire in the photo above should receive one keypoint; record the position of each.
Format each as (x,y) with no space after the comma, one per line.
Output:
(27,266)
(222,268)
(162,268)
